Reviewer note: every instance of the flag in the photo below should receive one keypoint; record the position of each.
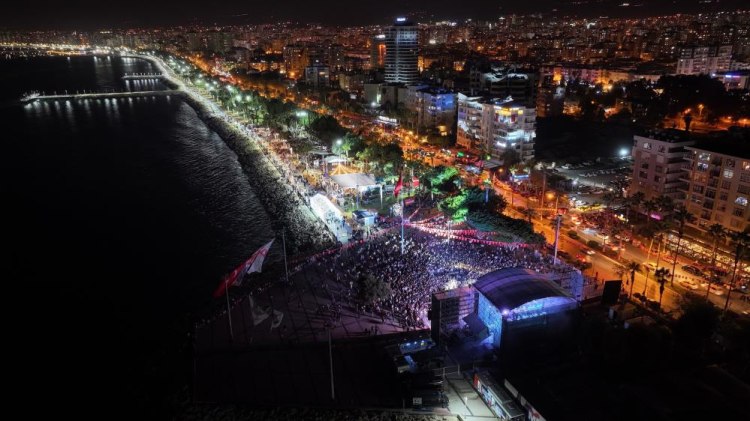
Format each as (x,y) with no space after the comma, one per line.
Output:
(257,313)
(399,185)
(277,318)
(253,264)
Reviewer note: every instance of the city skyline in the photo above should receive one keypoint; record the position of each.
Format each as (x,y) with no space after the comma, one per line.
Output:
(89,15)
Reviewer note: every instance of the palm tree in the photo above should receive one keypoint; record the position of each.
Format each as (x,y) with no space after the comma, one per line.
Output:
(608,199)
(657,233)
(615,230)
(637,199)
(620,271)
(649,206)
(645,285)
(632,267)
(681,216)
(661,275)
(741,242)
(717,232)
(665,203)
(529,213)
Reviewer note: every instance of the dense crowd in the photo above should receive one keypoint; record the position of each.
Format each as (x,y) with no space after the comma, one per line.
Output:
(428,265)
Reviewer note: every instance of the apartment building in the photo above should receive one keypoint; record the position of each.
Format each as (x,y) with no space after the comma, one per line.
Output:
(495,125)
(718,185)
(704,60)
(435,108)
(658,164)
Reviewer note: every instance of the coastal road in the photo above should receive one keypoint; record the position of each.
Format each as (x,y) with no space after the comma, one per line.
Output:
(604,266)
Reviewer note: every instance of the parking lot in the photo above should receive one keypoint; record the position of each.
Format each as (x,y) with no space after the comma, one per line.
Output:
(592,179)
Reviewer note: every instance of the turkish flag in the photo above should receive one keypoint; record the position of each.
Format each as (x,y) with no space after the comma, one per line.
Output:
(253,264)
(399,186)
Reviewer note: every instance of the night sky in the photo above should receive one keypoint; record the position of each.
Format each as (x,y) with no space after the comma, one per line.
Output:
(95,14)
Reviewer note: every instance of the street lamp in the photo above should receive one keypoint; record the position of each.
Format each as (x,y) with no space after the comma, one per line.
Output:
(700,110)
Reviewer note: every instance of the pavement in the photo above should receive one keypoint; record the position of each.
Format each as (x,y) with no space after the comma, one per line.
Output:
(464,400)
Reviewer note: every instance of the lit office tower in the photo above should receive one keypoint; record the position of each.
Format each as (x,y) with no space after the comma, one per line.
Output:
(401,56)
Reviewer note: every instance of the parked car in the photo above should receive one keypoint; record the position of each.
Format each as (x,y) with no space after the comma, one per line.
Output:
(692,270)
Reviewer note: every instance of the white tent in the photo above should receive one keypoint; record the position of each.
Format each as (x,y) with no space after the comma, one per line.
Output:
(354,180)
(333,159)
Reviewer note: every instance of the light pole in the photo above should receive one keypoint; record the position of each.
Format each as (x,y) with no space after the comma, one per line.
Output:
(550,195)
(557,236)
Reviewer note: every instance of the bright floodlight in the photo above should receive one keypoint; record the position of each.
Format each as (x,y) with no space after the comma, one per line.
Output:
(624,152)
(338,142)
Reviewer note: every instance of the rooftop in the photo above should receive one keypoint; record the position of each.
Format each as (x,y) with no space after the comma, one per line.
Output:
(667,135)
(510,288)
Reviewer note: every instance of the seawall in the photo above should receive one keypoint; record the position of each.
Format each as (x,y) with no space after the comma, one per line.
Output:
(305,232)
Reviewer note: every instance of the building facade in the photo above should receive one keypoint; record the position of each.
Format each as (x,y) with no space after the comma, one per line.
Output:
(402,53)
(434,108)
(658,164)
(318,76)
(717,188)
(704,60)
(522,86)
(377,52)
(495,125)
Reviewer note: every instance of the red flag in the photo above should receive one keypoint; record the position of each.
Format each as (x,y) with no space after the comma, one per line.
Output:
(253,264)
(399,185)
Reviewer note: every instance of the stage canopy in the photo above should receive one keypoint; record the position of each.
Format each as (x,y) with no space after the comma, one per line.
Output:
(333,159)
(513,288)
(354,180)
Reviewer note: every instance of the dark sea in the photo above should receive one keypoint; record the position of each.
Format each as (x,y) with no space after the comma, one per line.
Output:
(120,217)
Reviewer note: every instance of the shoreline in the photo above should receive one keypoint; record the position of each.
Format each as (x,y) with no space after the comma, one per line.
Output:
(305,232)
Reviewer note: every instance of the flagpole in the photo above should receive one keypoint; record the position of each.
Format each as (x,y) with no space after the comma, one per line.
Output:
(330,360)
(229,311)
(403,211)
(283,239)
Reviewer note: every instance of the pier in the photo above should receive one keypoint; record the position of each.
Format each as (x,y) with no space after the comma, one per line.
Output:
(99,95)
(142,76)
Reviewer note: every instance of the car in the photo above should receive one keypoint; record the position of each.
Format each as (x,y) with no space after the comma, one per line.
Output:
(716,290)
(587,251)
(692,270)
(668,258)
(651,265)
(688,284)
(563,254)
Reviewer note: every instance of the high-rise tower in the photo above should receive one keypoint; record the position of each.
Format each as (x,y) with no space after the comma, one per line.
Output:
(401,53)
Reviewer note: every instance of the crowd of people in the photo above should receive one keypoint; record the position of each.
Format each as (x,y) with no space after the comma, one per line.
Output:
(428,264)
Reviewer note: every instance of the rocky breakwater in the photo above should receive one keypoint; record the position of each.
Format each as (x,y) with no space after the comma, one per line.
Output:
(305,232)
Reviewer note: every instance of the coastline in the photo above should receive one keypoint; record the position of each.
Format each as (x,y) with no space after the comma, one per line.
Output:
(305,232)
